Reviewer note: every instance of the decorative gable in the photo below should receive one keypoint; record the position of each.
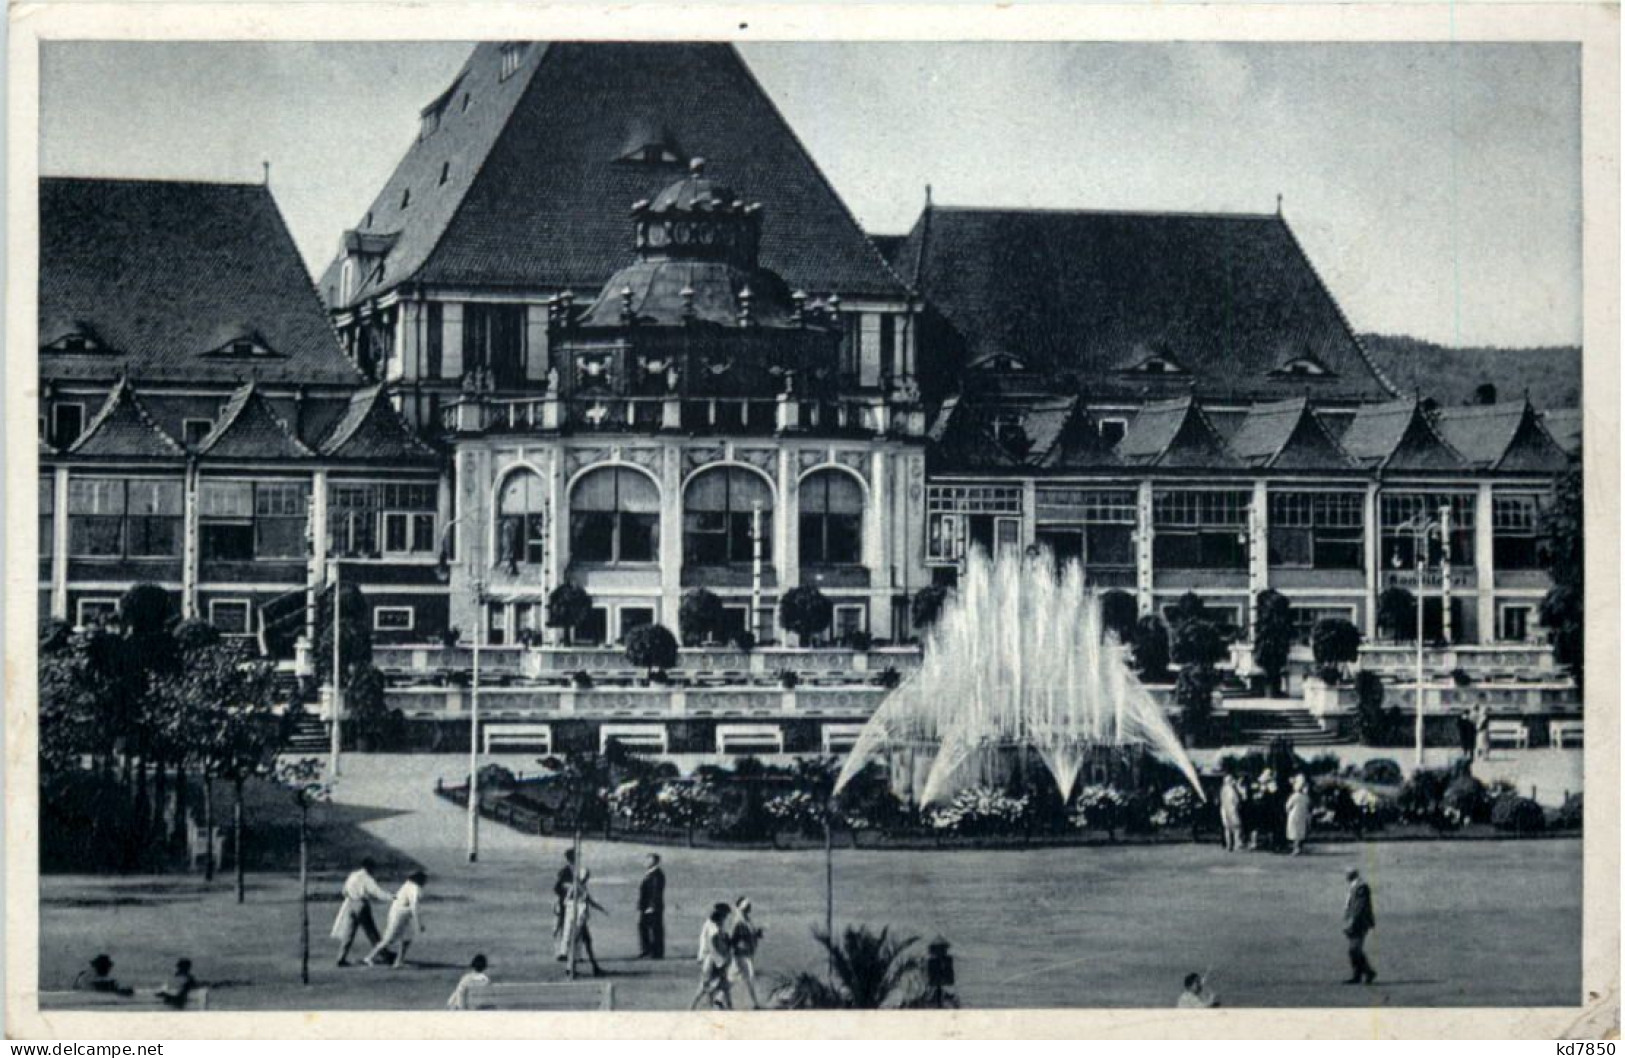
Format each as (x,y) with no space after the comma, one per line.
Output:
(124,430)
(250,429)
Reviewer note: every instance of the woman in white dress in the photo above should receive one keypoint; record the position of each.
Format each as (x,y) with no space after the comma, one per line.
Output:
(578,908)
(1230,813)
(1297,814)
(404,924)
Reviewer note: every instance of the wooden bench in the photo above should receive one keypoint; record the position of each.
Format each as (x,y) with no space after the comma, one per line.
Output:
(533,737)
(1507,734)
(86,999)
(1567,734)
(542,995)
(197,849)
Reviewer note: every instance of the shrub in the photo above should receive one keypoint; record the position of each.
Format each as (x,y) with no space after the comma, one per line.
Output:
(1396,613)
(1151,648)
(1118,613)
(1421,796)
(581,679)
(567,606)
(496,777)
(1572,815)
(797,810)
(1322,764)
(197,634)
(1335,641)
(859,640)
(1516,814)
(806,611)
(926,606)
(788,679)
(1198,642)
(651,647)
(1464,801)
(744,641)
(1461,677)
(889,677)
(1100,808)
(1176,807)
(144,609)
(699,616)
(979,810)
(1194,693)
(450,637)
(1353,808)
(1374,723)
(1272,638)
(1382,771)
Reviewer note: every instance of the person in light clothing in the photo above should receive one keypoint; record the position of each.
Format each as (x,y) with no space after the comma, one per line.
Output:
(1230,812)
(355,913)
(1196,996)
(1297,814)
(474,980)
(744,937)
(575,932)
(404,923)
(715,956)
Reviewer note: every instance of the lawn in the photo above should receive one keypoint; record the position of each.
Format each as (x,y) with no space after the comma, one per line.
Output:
(1466,923)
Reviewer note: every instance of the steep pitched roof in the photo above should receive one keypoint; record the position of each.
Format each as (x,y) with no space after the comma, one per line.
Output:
(1501,437)
(539,176)
(1565,424)
(1398,435)
(1287,435)
(1174,433)
(163,278)
(1033,432)
(124,430)
(1229,298)
(372,429)
(249,428)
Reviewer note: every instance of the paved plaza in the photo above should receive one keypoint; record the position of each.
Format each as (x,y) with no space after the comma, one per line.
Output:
(1460,923)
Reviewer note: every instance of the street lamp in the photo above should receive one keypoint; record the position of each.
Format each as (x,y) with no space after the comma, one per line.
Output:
(1421,529)
(443,570)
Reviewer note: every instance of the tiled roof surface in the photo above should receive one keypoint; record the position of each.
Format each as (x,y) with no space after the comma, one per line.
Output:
(372,429)
(122,429)
(537,188)
(1228,298)
(162,274)
(1398,435)
(1174,433)
(1501,437)
(1057,432)
(1564,424)
(1287,435)
(248,428)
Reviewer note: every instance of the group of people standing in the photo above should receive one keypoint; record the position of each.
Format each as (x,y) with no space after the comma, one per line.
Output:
(1240,831)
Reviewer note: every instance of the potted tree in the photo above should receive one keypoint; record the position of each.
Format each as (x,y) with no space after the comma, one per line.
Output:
(568,605)
(652,648)
(699,616)
(1272,639)
(806,611)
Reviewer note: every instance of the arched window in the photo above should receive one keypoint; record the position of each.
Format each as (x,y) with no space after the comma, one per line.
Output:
(831,519)
(614,517)
(522,519)
(719,516)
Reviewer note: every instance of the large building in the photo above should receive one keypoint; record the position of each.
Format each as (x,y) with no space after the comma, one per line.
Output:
(197,412)
(607,323)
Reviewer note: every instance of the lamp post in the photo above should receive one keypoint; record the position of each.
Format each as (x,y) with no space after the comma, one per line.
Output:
(756,568)
(338,683)
(444,570)
(1421,529)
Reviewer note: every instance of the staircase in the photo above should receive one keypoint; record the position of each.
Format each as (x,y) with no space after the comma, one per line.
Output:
(309,735)
(1259,725)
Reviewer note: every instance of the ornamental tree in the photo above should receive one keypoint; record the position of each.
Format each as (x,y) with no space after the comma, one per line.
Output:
(1151,648)
(1396,613)
(1197,641)
(651,647)
(700,616)
(806,611)
(1272,638)
(1336,642)
(926,607)
(1562,611)
(1118,614)
(568,605)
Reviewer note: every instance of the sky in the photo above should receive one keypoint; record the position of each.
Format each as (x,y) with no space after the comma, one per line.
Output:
(1436,187)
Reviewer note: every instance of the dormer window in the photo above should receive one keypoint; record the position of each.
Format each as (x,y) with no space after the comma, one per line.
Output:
(77,338)
(431,124)
(467,99)
(406,197)
(999,362)
(445,172)
(512,55)
(1157,362)
(244,345)
(347,278)
(1302,367)
(654,154)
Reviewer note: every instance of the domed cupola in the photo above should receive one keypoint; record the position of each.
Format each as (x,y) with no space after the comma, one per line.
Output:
(696,244)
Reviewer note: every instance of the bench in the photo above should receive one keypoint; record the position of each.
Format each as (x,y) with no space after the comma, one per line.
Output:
(197,850)
(542,995)
(1509,734)
(532,737)
(1567,734)
(85,999)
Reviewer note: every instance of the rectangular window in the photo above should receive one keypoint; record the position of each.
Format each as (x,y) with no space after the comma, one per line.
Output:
(1304,619)
(594,630)
(848,621)
(434,353)
(1317,530)
(226,520)
(635,617)
(1396,509)
(392,618)
(1112,431)
(1515,624)
(496,624)
(47,513)
(154,527)
(67,423)
(394,517)
(97,611)
(1516,524)
(888,346)
(512,55)
(230,617)
(193,431)
(494,340)
(96,517)
(281,512)
(851,342)
(1200,529)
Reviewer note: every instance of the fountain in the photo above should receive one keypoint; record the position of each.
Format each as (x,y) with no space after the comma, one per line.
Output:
(1017,662)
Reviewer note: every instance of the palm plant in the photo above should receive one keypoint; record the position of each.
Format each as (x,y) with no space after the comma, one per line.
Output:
(869,971)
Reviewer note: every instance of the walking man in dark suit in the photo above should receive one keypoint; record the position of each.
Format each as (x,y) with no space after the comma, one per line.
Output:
(652,911)
(1359,918)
